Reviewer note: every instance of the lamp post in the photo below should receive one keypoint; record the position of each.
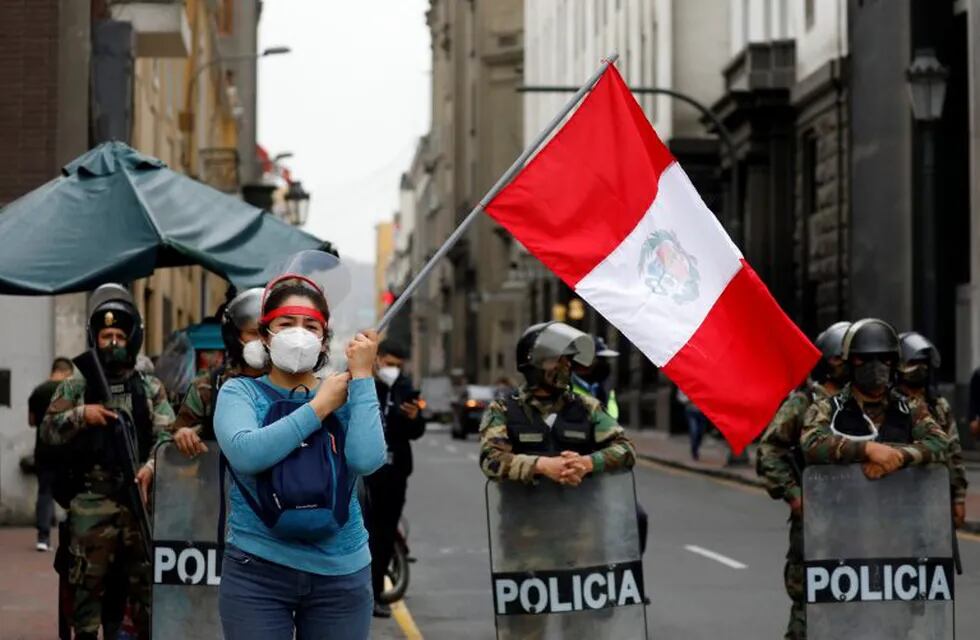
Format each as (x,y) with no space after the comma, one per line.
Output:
(926,78)
(297,203)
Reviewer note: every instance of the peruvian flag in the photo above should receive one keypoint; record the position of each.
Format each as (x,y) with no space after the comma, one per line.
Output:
(607,208)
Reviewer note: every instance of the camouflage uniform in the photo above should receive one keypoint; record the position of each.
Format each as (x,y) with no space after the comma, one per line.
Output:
(778,463)
(821,446)
(198,405)
(104,530)
(943,414)
(499,462)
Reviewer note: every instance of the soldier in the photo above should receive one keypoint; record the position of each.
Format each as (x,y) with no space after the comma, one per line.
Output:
(104,525)
(245,355)
(855,425)
(919,361)
(545,429)
(780,462)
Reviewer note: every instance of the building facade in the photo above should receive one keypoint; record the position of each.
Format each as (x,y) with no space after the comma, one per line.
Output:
(79,73)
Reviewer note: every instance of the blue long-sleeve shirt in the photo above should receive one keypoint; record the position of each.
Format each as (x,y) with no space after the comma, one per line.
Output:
(252,448)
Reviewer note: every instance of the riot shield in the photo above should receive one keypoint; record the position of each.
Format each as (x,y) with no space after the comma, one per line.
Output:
(565,561)
(186,551)
(878,554)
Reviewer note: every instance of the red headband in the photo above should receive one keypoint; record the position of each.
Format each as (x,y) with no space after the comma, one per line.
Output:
(293,310)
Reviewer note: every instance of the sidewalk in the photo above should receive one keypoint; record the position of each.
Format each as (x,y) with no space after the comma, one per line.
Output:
(28,587)
(675,451)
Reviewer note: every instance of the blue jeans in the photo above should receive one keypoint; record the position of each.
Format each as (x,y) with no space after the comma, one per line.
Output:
(696,426)
(263,600)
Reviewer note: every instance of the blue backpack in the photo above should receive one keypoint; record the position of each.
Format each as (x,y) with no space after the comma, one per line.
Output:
(306,495)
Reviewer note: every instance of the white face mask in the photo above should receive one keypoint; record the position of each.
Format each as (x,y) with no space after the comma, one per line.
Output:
(388,375)
(255,355)
(295,349)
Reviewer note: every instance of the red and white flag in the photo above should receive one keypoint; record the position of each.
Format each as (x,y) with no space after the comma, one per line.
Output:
(606,207)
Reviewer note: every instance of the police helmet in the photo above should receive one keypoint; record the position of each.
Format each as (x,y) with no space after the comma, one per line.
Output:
(870,336)
(602,350)
(916,347)
(243,310)
(111,305)
(831,340)
(548,341)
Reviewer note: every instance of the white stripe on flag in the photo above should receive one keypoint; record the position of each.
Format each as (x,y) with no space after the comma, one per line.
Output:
(657,311)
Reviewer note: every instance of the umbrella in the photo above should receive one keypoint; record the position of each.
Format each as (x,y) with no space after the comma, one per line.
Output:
(116,215)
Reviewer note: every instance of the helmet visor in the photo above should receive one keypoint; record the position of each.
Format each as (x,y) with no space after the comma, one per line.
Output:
(557,340)
(244,310)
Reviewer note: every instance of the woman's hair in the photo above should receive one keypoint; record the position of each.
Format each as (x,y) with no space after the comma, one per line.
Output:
(282,293)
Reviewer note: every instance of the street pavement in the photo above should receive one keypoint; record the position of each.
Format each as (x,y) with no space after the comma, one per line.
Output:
(694,597)
(713,568)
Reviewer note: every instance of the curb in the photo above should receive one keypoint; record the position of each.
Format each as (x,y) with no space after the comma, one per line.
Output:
(971,526)
(724,474)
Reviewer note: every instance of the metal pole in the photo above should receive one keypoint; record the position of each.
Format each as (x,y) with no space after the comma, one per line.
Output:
(723,133)
(397,305)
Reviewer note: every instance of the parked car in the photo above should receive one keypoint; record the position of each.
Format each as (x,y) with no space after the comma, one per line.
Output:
(468,409)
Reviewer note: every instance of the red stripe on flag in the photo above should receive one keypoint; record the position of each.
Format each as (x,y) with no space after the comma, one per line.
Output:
(743,360)
(587,189)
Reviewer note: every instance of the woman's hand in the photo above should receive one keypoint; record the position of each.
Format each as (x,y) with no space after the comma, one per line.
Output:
(361,352)
(331,394)
(189,443)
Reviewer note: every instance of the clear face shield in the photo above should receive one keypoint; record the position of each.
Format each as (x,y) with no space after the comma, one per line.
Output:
(246,308)
(320,271)
(557,340)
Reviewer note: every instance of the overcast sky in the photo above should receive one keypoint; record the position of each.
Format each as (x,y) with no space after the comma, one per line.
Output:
(350,102)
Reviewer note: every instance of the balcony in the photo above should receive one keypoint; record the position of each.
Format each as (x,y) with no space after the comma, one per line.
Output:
(160,26)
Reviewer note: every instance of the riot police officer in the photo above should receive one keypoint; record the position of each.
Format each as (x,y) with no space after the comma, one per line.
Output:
(916,373)
(870,421)
(780,463)
(545,429)
(105,530)
(245,355)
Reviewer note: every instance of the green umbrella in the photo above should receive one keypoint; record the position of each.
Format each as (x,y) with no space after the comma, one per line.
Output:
(115,215)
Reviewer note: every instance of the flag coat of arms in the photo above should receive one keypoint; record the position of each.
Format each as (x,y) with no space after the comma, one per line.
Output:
(607,208)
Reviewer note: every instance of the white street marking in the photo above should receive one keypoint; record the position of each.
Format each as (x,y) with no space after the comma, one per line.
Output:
(451,448)
(473,457)
(717,557)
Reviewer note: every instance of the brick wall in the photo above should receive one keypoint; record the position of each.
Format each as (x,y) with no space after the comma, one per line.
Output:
(28,94)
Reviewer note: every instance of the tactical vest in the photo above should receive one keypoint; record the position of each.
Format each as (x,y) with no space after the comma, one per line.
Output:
(98,445)
(896,428)
(530,434)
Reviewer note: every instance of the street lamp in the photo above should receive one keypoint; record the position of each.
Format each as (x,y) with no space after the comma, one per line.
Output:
(926,78)
(297,203)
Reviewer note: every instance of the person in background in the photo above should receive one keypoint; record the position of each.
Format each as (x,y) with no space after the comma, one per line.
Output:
(592,380)
(697,424)
(387,487)
(975,403)
(37,406)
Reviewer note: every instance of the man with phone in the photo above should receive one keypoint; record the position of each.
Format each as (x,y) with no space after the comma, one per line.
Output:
(386,487)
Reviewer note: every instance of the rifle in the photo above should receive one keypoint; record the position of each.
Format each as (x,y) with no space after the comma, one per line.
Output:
(125,442)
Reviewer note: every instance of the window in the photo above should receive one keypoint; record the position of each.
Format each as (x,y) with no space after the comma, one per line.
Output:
(810,10)
(5,388)
(226,17)
(168,317)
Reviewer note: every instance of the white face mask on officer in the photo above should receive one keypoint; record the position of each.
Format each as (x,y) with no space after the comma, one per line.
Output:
(255,355)
(295,349)
(388,375)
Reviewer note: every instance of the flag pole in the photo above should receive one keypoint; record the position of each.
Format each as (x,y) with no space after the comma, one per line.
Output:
(504,180)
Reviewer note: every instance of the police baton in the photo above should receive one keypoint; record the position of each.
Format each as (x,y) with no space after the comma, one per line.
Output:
(504,180)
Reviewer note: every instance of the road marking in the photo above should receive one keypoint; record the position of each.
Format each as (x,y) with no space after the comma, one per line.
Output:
(966,535)
(473,457)
(717,557)
(451,448)
(403,617)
